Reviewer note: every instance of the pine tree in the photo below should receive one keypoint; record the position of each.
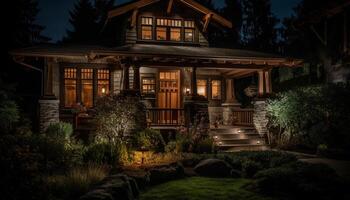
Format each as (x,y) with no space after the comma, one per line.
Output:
(102,7)
(259,25)
(233,11)
(22,29)
(84,23)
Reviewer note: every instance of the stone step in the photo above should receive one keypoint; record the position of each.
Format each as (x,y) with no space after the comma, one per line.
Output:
(232,131)
(243,147)
(240,141)
(237,136)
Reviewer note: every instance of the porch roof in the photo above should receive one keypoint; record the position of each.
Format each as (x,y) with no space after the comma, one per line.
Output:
(154,52)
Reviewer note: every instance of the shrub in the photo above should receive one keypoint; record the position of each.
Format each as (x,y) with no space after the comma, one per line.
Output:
(171,147)
(117,114)
(60,130)
(149,139)
(205,145)
(301,180)
(310,116)
(106,153)
(250,168)
(76,182)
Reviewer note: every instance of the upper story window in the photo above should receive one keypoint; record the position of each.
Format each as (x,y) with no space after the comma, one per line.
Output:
(189,31)
(175,30)
(146,28)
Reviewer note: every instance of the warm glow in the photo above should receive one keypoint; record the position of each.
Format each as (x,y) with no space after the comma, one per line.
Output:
(216,89)
(202,87)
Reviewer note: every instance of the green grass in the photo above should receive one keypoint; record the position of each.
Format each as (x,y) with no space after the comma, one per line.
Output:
(200,188)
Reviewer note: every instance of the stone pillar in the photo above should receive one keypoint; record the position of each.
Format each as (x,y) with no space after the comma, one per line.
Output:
(230,104)
(260,119)
(194,82)
(136,85)
(126,82)
(49,113)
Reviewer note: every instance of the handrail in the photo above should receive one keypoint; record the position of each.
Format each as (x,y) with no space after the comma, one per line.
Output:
(165,116)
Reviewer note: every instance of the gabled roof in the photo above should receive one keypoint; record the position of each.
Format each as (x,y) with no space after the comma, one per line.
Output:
(124,8)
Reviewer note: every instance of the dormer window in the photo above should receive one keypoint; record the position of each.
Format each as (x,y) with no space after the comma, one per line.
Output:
(146,28)
(189,31)
(162,29)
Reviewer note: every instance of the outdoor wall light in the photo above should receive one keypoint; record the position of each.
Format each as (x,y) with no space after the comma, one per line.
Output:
(103,90)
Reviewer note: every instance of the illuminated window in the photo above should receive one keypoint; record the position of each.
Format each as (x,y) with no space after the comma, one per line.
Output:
(102,82)
(216,89)
(87,87)
(146,32)
(202,87)
(161,33)
(70,87)
(189,35)
(189,24)
(148,85)
(175,34)
(86,84)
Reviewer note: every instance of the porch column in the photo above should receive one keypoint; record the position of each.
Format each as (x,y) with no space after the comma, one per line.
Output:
(230,91)
(48,103)
(264,83)
(194,81)
(136,85)
(126,82)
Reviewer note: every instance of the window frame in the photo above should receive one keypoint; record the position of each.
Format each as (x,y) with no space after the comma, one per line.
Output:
(168,24)
(145,24)
(79,86)
(219,90)
(205,88)
(154,84)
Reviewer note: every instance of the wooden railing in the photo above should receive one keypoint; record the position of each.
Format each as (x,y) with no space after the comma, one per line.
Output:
(165,117)
(243,117)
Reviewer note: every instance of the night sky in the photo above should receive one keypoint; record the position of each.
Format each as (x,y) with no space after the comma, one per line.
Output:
(54,15)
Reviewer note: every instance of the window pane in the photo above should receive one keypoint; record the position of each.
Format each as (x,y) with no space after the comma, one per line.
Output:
(175,34)
(148,86)
(216,89)
(146,21)
(102,82)
(202,87)
(189,35)
(87,93)
(70,93)
(146,32)
(70,87)
(161,33)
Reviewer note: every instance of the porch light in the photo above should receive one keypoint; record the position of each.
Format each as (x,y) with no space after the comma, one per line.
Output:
(188,91)
(239,131)
(103,90)
(216,137)
(258,142)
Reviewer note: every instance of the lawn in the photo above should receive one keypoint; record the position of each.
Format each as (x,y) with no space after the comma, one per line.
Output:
(200,188)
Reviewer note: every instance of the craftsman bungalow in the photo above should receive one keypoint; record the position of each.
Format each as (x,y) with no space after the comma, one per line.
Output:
(162,53)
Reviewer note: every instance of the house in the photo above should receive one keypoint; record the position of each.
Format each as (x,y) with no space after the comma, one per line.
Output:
(162,53)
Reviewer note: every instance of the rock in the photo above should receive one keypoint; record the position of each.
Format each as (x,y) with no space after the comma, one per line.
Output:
(166,173)
(141,177)
(99,194)
(213,168)
(117,186)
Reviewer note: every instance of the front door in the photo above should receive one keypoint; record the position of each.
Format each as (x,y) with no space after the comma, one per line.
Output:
(169,96)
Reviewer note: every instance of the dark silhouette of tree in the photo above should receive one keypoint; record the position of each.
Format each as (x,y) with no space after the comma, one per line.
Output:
(233,11)
(22,29)
(258,25)
(87,20)
(83,19)
(304,36)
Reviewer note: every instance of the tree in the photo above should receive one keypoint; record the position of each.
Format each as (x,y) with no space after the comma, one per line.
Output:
(233,11)
(22,29)
(259,25)
(88,21)
(83,19)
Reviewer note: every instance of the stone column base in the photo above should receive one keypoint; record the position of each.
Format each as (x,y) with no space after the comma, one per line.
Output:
(227,115)
(260,119)
(49,113)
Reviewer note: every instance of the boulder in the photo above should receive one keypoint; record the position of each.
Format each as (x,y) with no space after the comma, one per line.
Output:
(141,177)
(117,186)
(166,173)
(213,168)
